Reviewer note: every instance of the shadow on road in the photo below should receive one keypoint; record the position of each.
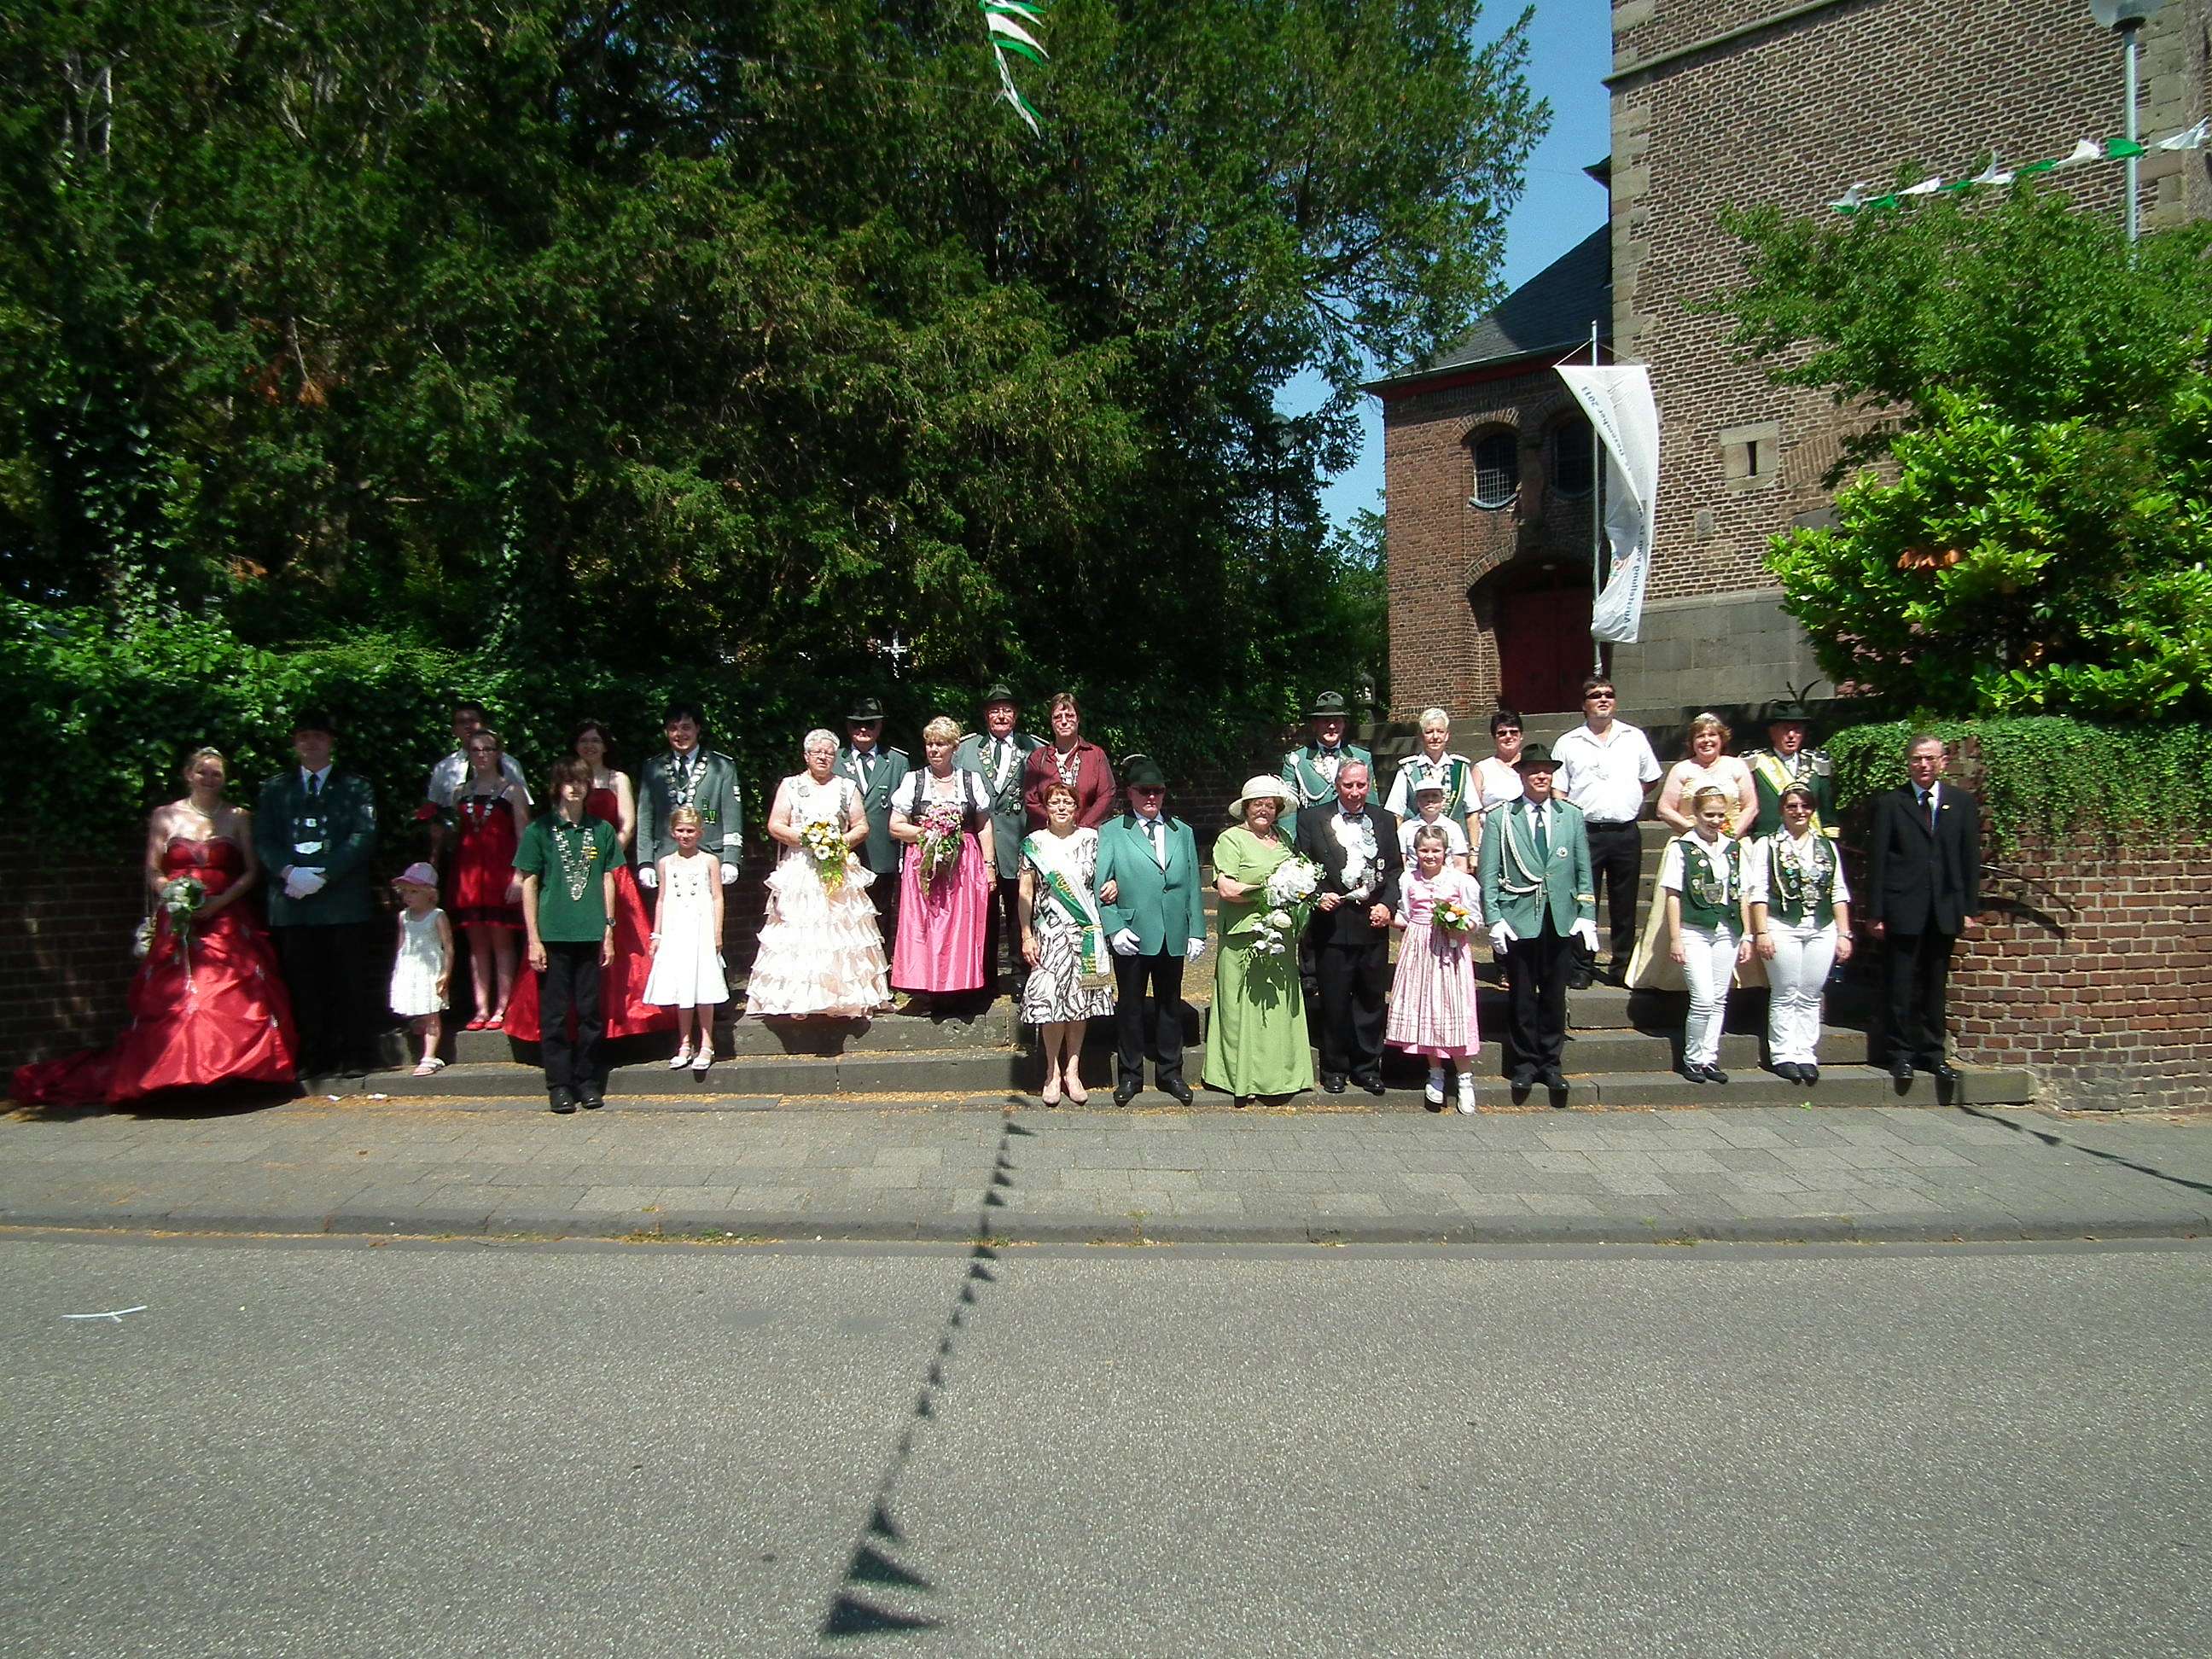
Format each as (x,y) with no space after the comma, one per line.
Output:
(876,1593)
(2051,1140)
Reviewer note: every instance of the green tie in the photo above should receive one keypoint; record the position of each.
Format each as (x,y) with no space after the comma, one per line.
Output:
(1543,841)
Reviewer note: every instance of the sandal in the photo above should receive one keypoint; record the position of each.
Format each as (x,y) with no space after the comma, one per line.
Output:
(475,1024)
(430,1067)
(683,1059)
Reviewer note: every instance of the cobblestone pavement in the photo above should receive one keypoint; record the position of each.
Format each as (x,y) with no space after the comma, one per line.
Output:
(924,1172)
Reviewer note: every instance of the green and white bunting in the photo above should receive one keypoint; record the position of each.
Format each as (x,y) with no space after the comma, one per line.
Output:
(1010,23)
(1859,198)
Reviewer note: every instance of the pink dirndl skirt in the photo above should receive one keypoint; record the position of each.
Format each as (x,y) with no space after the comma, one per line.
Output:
(940,925)
(1432,998)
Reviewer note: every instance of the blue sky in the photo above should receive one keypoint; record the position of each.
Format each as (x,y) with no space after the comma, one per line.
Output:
(1570,51)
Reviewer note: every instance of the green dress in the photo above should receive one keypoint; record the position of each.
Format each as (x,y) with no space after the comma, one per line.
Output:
(1256,1043)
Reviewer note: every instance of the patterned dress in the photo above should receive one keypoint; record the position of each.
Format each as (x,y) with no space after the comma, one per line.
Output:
(1054,991)
(1432,998)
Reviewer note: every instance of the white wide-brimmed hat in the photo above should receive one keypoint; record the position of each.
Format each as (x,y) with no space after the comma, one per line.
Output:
(1261,788)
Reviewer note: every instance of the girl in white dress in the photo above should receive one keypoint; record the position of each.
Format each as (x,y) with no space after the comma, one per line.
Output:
(422,968)
(687,943)
(820,950)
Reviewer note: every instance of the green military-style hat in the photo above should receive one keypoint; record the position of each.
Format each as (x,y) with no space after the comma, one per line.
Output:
(1142,772)
(1329,705)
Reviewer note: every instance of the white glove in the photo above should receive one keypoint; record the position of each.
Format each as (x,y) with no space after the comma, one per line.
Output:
(1125,942)
(1501,935)
(303,883)
(729,874)
(647,876)
(1587,932)
(1193,949)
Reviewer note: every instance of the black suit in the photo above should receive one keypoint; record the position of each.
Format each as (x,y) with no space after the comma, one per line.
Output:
(1351,956)
(1923,883)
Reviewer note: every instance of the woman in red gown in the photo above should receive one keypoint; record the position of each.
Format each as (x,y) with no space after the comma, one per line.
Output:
(622,981)
(207,1006)
(484,895)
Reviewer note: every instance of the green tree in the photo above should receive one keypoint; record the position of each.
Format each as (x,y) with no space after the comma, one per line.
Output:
(2036,536)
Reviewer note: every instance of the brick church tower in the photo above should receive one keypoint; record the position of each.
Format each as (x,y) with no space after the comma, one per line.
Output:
(1718,103)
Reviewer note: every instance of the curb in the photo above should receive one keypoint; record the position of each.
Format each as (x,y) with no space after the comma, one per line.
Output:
(717,1227)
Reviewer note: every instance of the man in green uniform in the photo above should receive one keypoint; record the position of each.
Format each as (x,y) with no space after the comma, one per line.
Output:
(1538,897)
(1153,906)
(567,862)
(688,775)
(1000,755)
(1310,768)
(878,771)
(314,832)
(1786,760)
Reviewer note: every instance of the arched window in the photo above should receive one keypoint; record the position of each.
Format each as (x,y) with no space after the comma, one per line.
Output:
(1497,468)
(1570,458)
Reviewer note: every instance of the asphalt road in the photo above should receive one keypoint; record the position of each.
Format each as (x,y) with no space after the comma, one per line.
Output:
(430,1450)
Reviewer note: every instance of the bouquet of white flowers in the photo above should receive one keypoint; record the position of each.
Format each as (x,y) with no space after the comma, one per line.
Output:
(1290,891)
(181,899)
(825,842)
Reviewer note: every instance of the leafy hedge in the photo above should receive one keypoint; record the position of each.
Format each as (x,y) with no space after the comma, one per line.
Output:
(107,711)
(2047,777)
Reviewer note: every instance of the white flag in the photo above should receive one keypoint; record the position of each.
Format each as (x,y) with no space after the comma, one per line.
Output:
(1626,417)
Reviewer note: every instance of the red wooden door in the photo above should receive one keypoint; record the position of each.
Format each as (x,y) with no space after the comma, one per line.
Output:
(1543,648)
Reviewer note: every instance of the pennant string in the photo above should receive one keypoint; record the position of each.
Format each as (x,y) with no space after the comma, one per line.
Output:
(1855,199)
(1007,24)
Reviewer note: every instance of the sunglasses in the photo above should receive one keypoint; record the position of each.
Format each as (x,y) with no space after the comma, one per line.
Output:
(1600,696)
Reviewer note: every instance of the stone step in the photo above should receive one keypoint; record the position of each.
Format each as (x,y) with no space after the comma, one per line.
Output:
(473,1088)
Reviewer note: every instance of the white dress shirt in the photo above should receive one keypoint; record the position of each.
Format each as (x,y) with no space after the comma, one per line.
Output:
(1606,776)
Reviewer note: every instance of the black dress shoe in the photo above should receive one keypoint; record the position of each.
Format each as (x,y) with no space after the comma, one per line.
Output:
(1331,1083)
(1126,1093)
(1808,1074)
(1553,1078)
(591,1099)
(1787,1071)
(1179,1089)
(1944,1071)
(560,1100)
(1901,1071)
(1374,1084)
(1523,1078)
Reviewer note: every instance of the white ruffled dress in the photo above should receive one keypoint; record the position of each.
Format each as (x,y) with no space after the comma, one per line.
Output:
(820,950)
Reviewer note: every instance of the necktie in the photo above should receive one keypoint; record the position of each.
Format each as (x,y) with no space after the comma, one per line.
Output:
(1152,834)
(1543,841)
(314,785)
(1928,807)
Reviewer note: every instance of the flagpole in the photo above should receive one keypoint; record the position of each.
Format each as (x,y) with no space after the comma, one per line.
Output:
(1597,522)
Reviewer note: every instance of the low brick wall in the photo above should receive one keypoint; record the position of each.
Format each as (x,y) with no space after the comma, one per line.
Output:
(2096,973)
(65,961)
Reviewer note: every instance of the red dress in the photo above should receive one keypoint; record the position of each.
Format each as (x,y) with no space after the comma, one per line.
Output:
(215,1011)
(483,864)
(622,981)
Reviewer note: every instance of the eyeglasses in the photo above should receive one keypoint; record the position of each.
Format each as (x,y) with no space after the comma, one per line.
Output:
(1599,696)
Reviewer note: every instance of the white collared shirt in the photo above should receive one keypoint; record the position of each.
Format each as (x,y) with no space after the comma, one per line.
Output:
(1606,776)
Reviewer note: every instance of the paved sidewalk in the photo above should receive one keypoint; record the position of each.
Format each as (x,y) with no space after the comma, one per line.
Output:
(1762,1173)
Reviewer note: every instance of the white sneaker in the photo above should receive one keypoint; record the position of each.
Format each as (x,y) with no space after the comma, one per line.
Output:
(683,1059)
(1434,1094)
(1466,1093)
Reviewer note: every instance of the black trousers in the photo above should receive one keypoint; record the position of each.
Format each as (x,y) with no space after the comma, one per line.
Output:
(1002,922)
(884,891)
(329,972)
(1355,980)
(1616,852)
(1917,979)
(1536,1012)
(570,985)
(1160,1030)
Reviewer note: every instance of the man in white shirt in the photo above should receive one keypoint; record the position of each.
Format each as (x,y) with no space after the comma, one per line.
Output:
(449,773)
(1607,769)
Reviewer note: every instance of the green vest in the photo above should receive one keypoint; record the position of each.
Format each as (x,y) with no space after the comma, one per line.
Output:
(1794,896)
(1710,883)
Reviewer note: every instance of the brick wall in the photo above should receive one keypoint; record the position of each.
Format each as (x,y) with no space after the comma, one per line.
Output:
(1791,115)
(2095,973)
(1444,645)
(65,961)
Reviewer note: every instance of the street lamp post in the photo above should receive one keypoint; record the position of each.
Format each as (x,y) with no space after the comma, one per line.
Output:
(2127,18)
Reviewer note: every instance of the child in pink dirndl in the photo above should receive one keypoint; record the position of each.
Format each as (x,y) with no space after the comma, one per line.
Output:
(940,948)
(1432,998)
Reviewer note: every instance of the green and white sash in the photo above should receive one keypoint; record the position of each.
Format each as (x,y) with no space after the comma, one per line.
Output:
(1060,883)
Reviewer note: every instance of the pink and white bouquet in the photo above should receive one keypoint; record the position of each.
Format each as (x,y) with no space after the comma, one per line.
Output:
(1453,917)
(940,839)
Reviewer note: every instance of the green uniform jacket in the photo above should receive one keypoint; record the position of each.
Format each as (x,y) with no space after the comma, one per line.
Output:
(1165,909)
(340,828)
(714,792)
(1309,785)
(1009,818)
(885,773)
(1770,774)
(1514,892)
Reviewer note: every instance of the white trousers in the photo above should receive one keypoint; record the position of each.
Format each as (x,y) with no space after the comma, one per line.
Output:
(1709,967)
(1803,953)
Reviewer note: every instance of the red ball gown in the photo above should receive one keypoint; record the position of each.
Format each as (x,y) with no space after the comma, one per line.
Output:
(622,981)
(214,1011)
